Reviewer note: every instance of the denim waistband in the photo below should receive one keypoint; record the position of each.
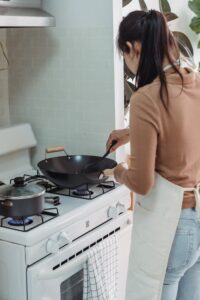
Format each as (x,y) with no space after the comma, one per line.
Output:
(190,213)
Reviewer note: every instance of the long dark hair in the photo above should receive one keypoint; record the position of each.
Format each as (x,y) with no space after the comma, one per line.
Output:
(151,29)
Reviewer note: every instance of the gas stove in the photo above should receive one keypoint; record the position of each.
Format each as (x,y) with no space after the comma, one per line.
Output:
(52,200)
(53,246)
(61,207)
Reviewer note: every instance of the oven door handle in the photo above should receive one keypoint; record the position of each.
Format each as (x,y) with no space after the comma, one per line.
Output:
(54,274)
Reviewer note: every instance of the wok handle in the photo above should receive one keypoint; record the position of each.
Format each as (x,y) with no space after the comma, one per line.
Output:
(54,149)
(6,203)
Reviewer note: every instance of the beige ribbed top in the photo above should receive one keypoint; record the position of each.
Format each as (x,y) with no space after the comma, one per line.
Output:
(168,143)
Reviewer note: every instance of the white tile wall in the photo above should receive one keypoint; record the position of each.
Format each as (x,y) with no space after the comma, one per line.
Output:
(61,79)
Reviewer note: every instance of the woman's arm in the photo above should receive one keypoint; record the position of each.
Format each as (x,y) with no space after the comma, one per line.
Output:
(143,140)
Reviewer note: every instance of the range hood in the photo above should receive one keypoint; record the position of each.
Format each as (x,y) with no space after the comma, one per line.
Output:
(24,13)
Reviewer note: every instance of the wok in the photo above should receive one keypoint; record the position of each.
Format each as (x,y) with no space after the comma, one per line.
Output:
(69,170)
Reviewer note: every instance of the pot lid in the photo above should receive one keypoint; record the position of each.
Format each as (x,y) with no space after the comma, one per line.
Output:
(21,190)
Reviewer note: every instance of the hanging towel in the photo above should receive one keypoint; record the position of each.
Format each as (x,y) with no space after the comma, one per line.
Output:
(101,271)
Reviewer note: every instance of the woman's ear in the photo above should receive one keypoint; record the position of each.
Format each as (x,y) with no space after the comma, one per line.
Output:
(134,49)
(131,49)
(137,48)
(130,46)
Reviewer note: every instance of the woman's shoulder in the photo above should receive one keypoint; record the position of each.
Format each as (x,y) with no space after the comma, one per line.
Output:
(148,93)
(145,102)
(151,92)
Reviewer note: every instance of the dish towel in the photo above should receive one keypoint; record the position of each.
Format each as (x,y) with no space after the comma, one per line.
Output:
(101,271)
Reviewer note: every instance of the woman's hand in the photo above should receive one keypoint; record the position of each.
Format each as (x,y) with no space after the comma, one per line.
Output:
(122,137)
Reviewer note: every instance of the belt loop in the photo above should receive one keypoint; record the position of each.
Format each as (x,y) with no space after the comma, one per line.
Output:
(197,197)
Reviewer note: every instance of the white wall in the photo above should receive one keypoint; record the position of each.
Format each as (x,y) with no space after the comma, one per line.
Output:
(4,102)
(181,24)
(61,79)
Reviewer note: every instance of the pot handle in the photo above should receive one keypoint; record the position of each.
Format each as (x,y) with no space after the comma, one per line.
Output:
(6,203)
(54,149)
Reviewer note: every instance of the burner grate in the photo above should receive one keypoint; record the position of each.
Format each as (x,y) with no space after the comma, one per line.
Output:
(87,192)
(37,220)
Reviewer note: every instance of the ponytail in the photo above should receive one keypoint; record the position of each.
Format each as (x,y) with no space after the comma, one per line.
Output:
(150,28)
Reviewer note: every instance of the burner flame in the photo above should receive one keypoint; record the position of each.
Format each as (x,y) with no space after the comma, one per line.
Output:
(21,221)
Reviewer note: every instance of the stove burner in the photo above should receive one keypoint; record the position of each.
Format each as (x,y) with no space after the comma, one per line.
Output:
(86,191)
(20,221)
(82,191)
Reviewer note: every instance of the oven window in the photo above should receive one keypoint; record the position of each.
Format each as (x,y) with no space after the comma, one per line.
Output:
(72,288)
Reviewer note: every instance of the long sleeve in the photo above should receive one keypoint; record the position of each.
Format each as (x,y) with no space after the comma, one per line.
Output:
(144,130)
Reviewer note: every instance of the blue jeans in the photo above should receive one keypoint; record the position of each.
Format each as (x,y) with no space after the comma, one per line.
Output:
(182,279)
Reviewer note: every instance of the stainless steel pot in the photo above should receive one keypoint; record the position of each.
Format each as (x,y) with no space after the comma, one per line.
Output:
(21,199)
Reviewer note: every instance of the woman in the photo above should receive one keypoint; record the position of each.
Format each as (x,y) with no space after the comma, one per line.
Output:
(164,169)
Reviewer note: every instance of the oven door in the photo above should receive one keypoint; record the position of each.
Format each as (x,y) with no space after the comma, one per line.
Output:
(60,276)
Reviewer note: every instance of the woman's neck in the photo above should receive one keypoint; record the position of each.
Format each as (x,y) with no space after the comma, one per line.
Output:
(170,67)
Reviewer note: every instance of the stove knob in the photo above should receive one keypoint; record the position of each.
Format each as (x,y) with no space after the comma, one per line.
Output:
(64,238)
(121,208)
(112,212)
(52,246)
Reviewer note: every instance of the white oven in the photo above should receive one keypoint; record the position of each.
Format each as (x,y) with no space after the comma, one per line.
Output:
(60,276)
(45,259)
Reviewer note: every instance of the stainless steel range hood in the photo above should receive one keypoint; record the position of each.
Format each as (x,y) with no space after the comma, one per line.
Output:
(24,13)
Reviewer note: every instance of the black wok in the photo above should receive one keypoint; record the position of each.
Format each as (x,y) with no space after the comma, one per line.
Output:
(69,170)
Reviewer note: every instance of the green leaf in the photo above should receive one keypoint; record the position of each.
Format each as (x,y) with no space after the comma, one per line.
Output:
(126,2)
(164,6)
(184,43)
(195,24)
(170,16)
(143,5)
(198,46)
(194,5)
(199,67)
